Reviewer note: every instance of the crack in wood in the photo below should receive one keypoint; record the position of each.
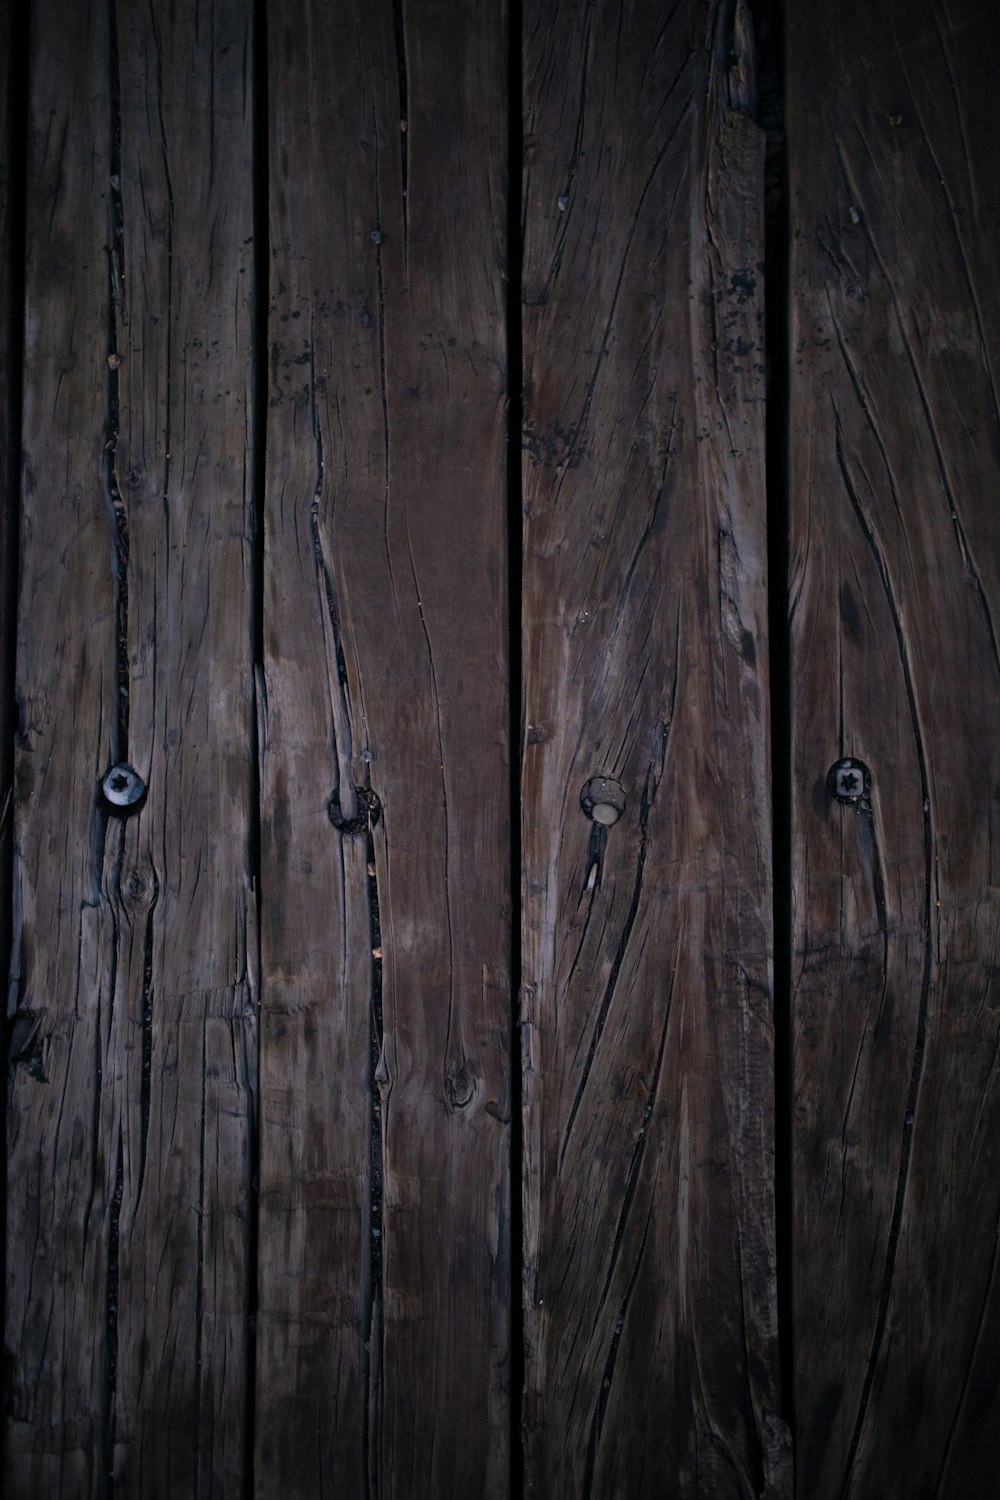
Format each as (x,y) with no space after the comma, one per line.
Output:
(648,797)
(373,1361)
(340,702)
(399,31)
(116,315)
(111,1323)
(600,1410)
(928,955)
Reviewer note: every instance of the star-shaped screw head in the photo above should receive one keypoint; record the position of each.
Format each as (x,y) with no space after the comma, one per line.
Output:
(848,780)
(123,789)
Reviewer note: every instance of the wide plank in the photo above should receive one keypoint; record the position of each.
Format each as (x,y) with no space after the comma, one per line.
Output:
(134,1051)
(646,1008)
(895,595)
(383,1328)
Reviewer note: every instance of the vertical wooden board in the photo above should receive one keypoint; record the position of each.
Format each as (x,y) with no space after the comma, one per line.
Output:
(383,1356)
(11,161)
(133,1061)
(646,1018)
(895,592)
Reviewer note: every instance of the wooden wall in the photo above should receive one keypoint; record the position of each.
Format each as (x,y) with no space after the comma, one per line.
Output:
(495,1055)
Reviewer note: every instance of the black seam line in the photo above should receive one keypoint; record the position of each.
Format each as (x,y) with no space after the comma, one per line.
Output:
(116,322)
(258,446)
(515,424)
(768,18)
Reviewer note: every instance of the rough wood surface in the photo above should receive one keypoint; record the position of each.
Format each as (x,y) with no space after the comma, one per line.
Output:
(383,1354)
(133,1045)
(895,598)
(11,159)
(646,1009)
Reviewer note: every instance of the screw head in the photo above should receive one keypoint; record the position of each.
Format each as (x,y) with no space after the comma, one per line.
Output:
(123,789)
(603,799)
(369,810)
(848,780)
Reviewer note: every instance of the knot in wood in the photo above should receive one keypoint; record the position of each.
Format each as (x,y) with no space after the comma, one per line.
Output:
(459,1086)
(139,889)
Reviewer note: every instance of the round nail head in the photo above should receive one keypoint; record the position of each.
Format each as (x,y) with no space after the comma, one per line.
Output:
(123,788)
(603,799)
(848,780)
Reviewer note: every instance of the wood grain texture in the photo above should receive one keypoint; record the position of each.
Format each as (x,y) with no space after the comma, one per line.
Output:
(11,295)
(383,1358)
(895,597)
(133,1084)
(646,1010)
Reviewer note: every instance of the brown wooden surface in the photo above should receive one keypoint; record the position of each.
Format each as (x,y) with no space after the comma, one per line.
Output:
(133,1047)
(646,1011)
(348,1329)
(383,1358)
(895,582)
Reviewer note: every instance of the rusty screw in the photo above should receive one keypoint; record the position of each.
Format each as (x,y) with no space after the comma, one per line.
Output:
(848,780)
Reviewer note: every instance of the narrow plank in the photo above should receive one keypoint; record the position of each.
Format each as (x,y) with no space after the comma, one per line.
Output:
(646,1011)
(12,38)
(11,297)
(383,1358)
(895,594)
(133,1087)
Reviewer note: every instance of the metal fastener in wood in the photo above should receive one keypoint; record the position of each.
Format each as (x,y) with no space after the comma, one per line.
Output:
(603,799)
(123,789)
(848,780)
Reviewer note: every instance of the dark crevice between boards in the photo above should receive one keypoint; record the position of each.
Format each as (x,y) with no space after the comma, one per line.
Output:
(399,30)
(111,1323)
(768,18)
(118,524)
(117,514)
(13,187)
(373,1363)
(515,728)
(258,438)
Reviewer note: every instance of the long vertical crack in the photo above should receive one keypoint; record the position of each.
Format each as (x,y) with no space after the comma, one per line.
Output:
(117,513)
(515,740)
(118,521)
(258,475)
(916,1067)
(768,19)
(111,1322)
(399,28)
(378,1097)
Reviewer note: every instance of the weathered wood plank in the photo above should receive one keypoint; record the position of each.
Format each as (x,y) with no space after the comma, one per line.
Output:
(895,595)
(11,297)
(134,1058)
(384,1298)
(646,1010)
